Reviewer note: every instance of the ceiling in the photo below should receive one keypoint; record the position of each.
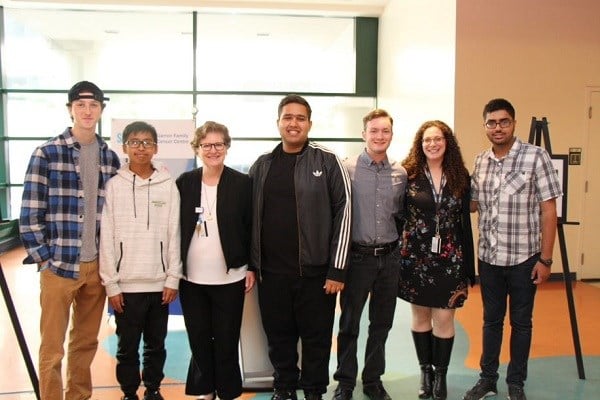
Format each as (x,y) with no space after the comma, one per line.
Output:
(254,27)
(370,8)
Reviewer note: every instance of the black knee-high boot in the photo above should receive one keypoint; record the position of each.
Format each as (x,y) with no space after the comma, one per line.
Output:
(424,353)
(442,349)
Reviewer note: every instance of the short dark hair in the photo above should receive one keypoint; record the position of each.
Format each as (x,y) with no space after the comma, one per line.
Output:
(208,127)
(294,98)
(498,104)
(139,126)
(376,113)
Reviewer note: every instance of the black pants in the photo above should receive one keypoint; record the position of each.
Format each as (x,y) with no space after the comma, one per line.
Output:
(144,314)
(501,285)
(213,318)
(292,308)
(376,276)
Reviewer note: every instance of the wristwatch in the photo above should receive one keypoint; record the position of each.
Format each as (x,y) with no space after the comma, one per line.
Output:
(546,262)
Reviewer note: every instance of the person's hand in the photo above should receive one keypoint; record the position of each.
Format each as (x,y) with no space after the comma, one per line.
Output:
(540,273)
(117,302)
(169,295)
(333,287)
(250,281)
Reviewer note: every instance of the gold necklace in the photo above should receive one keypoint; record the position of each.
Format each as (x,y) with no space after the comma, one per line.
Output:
(209,206)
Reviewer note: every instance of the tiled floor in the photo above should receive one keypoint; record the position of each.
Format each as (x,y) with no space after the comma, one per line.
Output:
(552,368)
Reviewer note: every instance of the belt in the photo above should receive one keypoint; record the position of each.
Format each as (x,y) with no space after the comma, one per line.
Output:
(374,249)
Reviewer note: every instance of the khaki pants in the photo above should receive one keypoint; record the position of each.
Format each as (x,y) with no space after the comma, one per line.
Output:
(86,297)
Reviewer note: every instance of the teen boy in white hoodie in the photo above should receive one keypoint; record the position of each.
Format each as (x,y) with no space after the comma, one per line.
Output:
(140,264)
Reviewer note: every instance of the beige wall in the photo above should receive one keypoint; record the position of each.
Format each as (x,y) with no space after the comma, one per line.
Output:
(416,66)
(542,55)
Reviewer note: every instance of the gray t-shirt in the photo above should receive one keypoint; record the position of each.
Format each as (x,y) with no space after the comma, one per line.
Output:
(89,159)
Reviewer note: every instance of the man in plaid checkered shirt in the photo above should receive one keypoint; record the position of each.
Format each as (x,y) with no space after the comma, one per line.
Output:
(62,203)
(514,188)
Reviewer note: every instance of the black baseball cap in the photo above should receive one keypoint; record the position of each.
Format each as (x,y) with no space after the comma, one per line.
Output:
(86,87)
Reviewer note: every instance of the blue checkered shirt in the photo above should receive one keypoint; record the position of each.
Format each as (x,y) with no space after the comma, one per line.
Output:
(51,221)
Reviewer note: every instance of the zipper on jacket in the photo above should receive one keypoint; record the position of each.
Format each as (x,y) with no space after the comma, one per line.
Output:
(297,220)
(260,207)
(120,256)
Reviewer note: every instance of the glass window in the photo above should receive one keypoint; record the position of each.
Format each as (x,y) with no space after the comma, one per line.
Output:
(256,116)
(275,53)
(16,194)
(143,60)
(46,114)
(18,165)
(125,50)
(146,107)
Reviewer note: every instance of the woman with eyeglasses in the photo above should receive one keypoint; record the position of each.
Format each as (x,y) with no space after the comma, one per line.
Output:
(436,249)
(215,245)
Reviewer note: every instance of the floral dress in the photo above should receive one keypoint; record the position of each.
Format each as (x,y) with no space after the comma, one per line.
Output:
(430,279)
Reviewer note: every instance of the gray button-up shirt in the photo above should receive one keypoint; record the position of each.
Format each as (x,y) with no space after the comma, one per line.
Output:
(377,198)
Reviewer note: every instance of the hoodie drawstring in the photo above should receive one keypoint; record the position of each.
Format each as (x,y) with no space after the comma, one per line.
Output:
(147,205)
(133,187)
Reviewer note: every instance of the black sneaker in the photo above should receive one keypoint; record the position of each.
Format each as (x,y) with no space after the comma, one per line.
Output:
(130,397)
(153,394)
(282,394)
(376,392)
(516,393)
(482,389)
(341,393)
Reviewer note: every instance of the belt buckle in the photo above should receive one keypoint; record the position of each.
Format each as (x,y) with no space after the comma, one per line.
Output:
(378,251)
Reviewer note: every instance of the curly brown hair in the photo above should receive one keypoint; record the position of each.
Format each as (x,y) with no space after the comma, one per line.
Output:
(457,176)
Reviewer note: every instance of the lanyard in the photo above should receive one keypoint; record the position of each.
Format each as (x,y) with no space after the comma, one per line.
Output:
(437,197)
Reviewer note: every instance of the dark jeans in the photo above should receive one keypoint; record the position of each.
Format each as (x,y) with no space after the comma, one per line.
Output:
(144,314)
(377,276)
(497,284)
(213,317)
(296,307)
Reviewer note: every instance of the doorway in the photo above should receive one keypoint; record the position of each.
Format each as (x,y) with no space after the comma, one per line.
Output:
(590,268)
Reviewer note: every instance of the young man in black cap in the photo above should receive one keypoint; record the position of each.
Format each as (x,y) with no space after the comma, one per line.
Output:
(62,203)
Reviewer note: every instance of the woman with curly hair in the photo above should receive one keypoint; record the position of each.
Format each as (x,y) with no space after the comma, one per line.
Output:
(437,249)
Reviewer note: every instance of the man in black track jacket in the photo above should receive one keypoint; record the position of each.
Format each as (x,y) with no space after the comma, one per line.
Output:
(300,242)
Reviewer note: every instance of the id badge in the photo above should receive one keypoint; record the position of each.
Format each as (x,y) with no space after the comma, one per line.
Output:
(201,229)
(436,244)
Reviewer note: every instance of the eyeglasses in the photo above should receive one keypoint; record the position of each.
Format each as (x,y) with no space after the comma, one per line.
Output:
(134,144)
(435,140)
(504,123)
(217,146)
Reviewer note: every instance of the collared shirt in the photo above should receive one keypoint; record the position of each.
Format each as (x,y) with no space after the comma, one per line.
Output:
(377,198)
(51,220)
(509,192)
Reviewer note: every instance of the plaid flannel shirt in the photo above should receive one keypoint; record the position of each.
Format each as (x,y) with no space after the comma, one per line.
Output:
(51,219)
(509,192)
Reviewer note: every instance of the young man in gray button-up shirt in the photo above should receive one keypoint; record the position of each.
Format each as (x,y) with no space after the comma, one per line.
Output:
(378,186)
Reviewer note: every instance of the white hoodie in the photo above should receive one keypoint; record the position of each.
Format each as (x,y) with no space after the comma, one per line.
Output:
(139,233)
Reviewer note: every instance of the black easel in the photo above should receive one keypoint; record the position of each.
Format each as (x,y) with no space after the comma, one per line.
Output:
(539,130)
(19,333)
